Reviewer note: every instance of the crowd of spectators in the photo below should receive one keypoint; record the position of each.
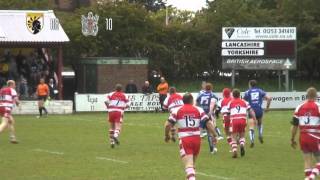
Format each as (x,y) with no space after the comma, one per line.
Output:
(26,70)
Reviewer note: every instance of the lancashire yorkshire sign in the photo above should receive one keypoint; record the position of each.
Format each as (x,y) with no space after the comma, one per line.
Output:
(259,48)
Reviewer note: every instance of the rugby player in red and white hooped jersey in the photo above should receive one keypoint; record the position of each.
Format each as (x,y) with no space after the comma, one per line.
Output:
(116,103)
(173,101)
(307,119)
(223,109)
(8,98)
(188,118)
(238,108)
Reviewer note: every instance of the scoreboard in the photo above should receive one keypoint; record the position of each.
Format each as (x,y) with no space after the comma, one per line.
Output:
(254,48)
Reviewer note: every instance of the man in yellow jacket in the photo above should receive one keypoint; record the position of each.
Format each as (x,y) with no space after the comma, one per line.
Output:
(162,89)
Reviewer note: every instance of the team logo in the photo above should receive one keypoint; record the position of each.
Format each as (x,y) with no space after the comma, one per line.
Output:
(90,24)
(229,31)
(34,22)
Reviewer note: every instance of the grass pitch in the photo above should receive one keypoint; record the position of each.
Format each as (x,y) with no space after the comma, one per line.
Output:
(75,147)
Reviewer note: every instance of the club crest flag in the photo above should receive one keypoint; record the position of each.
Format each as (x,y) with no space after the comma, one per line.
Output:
(34,22)
(90,24)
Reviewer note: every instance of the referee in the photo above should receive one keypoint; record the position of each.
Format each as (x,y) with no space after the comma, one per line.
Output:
(42,93)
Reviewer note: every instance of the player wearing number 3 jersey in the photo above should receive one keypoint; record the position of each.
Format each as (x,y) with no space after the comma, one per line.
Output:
(173,101)
(116,103)
(307,119)
(187,118)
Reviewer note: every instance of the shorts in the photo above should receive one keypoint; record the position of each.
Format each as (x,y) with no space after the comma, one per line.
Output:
(258,113)
(309,144)
(44,98)
(238,126)
(226,123)
(190,145)
(5,111)
(115,117)
(203,124)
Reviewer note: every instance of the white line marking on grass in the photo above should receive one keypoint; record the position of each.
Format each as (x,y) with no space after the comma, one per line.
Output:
(47,151)
(214,176)
(113,160)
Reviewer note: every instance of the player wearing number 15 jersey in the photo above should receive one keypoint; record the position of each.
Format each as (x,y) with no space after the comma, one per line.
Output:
(307,119)
(116,103)
(188,118)
(173,101)
(238,120)
(255,97)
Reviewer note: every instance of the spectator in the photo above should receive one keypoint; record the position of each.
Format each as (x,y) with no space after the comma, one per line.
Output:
(131,87)
(23,87)
(163,91)
(53,89)
(146,88)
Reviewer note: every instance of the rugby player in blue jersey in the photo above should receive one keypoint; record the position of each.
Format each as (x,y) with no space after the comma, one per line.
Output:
(255,97)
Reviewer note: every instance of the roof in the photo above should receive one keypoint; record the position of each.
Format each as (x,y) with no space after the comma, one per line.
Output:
(19,27)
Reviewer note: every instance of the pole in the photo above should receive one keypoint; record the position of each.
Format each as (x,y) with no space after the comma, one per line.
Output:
(167,16)
(59,73)
(233,81)
(287,79)
(279,80)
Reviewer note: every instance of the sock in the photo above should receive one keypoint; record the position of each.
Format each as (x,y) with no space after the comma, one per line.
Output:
(211,145)
(307,172)
(111,133)
(218,131)
(234,146)
(190,171)
(260,129)
(242,141)
(40,111)
(315,171)
(116,133)
(251,134)
(173,132)
(229,140)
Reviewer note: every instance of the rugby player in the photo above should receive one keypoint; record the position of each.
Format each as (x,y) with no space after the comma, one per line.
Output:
(173,101)
(207,101)
(255,97)
(238,109)
(307,119)
(188,119)
(116,103)
(8,97)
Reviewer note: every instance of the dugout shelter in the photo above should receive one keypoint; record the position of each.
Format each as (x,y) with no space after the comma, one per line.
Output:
(29,29)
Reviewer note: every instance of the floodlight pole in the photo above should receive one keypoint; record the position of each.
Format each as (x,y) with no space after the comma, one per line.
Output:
(287,79)
(233,80)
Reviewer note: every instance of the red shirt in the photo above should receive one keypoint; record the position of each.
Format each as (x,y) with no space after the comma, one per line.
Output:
(7,97)
(187,118)
(238,109)
(223,104)
(117,101)
(308,114)
(173,101)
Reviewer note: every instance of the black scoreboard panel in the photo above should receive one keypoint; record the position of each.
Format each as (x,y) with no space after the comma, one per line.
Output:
(280,48)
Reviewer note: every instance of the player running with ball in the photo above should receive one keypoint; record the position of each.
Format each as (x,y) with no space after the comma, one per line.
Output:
(116,103)
(188,119)
(307,119)
(238,121)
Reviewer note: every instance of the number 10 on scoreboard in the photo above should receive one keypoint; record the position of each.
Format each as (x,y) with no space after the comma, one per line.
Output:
(109,24)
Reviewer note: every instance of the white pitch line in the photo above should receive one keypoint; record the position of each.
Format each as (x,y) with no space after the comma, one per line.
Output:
(214,176)
(47,151)
(113,160)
